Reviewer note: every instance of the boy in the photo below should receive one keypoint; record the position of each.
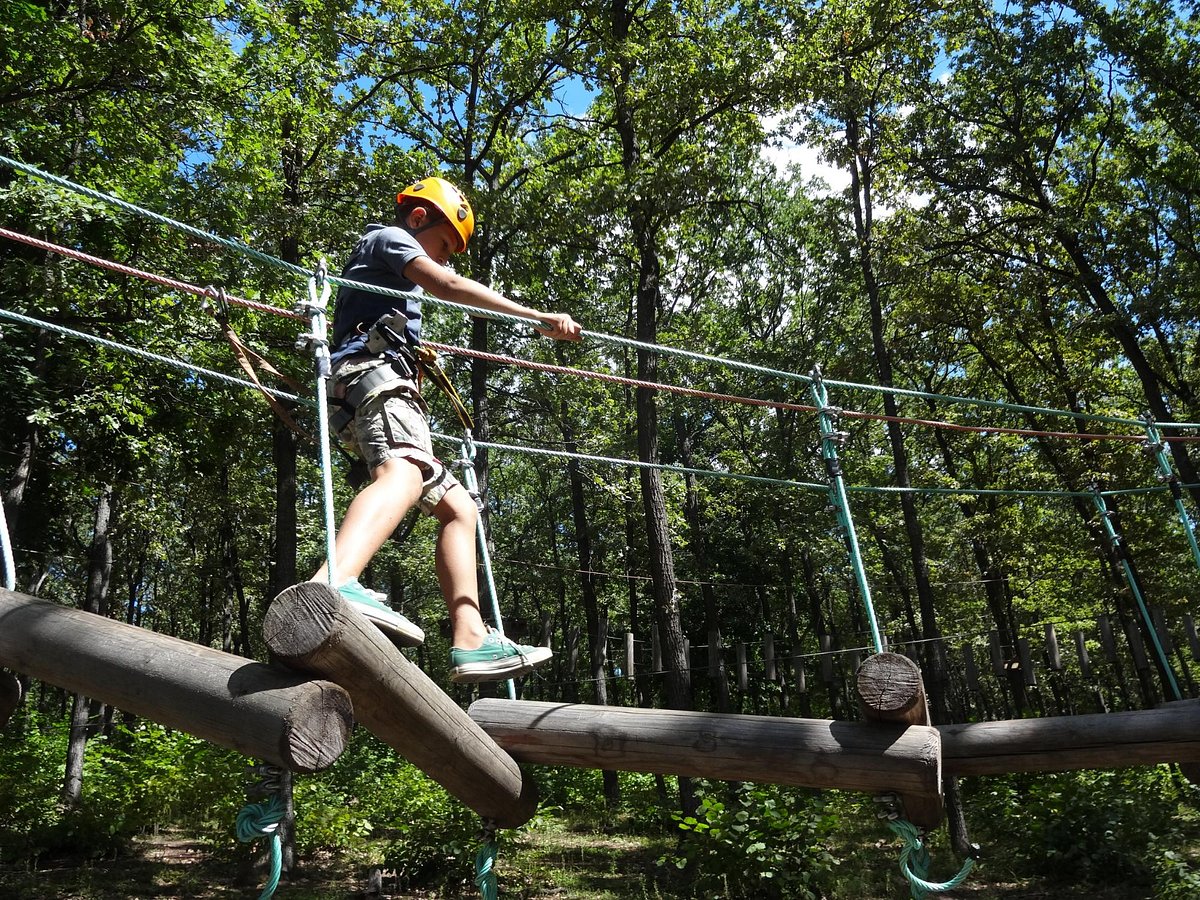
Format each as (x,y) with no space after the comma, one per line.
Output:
(374,386)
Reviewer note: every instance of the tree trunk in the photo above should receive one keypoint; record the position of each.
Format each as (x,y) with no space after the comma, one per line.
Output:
(647,300)
(694,514)
(95,601)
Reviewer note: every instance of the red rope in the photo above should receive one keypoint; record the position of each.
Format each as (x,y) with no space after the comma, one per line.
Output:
(774,404)
(584,373)
(148,276)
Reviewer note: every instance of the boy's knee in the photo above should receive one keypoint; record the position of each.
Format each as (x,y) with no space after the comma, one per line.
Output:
(457,506)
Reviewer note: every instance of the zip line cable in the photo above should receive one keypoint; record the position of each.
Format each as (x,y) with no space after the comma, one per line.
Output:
(596,336)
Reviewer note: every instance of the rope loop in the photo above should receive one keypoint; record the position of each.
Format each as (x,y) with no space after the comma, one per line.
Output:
(914,862)
(262,820)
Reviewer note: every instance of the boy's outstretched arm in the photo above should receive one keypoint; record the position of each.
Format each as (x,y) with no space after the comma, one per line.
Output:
(448,285)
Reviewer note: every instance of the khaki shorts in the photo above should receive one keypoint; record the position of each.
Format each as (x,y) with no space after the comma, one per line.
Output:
(395,426)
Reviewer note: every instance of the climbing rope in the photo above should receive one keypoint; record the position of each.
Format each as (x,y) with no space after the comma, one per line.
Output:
(915,861)
(317,340)
(590,335)
(914,856)
(485,862)
(183,365)
(10,567)
(466,462)
(1154,448)
(831,440)
(1122,554)
(262,820)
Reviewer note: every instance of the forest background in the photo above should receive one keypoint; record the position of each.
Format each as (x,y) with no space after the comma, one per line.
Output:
(1006,211)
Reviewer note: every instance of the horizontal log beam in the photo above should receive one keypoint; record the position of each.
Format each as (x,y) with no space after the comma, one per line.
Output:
(309,626)
(804,752)
(264,712)
(1139,737)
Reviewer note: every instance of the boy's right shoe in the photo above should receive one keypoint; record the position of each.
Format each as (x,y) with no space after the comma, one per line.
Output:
(396,627)
(497,659)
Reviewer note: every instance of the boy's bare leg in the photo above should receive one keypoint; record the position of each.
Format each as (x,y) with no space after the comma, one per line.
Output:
(372,517)
(458,518)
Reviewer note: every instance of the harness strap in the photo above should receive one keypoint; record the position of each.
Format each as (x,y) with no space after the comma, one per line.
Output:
(345,398)
(405,365)
(429,366)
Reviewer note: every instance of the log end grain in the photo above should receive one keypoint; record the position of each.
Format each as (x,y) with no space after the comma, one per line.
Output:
(890,689)
(301,619)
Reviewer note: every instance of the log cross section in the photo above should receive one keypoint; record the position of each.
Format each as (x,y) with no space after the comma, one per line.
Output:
(262,711)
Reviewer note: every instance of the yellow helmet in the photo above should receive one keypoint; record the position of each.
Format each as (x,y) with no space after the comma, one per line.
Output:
(449,200)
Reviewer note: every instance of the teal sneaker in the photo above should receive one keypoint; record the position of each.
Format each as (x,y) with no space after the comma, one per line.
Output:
(398,629)
(497,659)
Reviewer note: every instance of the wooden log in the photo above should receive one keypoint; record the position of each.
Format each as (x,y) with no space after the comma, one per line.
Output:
(1190,770)
(995,654)
(1025,658)
(1085,663)
(1159,618)
(1053,655)
(714,652)
(743,671)
(826,644)
(971,670)
(309,626)
(10,696)
(629,655)
(1140,661)
(769,657)
(803,752)
(890,690)
(1107,642)
(1189,624)
(801,676)
(1060,743)
(264,712)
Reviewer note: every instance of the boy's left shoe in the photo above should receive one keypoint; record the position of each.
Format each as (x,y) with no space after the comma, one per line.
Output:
(398,629)
(497,659)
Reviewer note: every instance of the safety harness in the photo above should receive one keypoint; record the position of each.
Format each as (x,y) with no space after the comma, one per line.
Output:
(404,367)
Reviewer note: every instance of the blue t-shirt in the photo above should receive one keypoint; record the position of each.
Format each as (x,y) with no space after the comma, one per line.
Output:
(379,258)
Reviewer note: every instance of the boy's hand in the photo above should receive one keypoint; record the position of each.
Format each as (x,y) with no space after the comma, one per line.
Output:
(561,327)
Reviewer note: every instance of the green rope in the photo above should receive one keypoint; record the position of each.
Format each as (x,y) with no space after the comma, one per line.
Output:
(914,862)
(262,819)
(1154,447)
(831,439)
(152,357)
(591,335)
(471,482)
(1122,554)
(485,863)
(94,194)
(182,365)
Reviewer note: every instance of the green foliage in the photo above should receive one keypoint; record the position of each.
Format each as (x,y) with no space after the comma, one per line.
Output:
(1092,826)
(31,767)
(134,781)
(369,796)
(757,841)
